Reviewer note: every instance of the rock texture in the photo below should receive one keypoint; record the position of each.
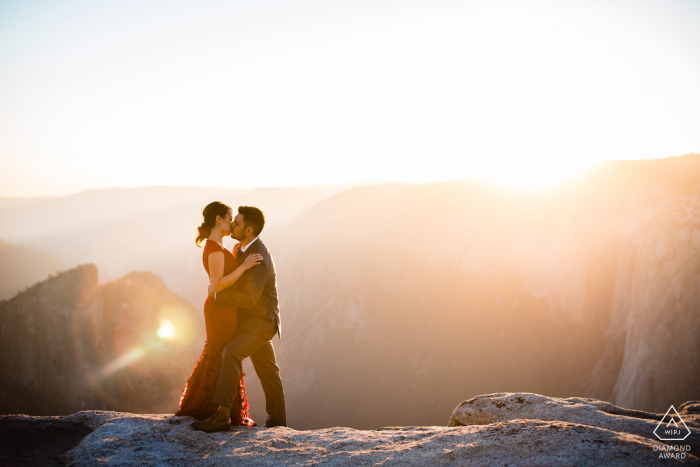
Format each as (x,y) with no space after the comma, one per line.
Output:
(68,344)
(502,407)
(128,439)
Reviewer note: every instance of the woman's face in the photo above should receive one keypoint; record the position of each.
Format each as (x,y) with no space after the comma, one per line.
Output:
(225,223)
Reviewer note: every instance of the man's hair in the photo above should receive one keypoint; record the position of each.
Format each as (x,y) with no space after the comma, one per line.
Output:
(252,217)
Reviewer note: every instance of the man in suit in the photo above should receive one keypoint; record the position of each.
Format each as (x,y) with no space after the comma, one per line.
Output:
(258,322)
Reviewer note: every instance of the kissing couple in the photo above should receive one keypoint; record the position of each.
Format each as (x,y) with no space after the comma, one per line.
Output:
(242,316)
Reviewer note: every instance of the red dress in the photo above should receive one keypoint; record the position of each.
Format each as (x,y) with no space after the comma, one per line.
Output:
(221,324)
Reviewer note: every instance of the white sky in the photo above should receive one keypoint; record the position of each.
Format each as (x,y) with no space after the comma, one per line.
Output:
(273,93)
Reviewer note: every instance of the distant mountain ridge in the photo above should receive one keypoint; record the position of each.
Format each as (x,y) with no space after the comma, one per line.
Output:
(148,229)
(21,266)
(62,213)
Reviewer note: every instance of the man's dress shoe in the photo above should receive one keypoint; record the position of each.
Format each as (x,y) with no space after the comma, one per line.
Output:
(217,422)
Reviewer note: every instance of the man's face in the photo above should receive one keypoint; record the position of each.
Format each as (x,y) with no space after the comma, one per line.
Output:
(238,228)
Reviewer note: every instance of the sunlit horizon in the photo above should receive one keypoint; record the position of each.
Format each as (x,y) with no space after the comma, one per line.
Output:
(514,179)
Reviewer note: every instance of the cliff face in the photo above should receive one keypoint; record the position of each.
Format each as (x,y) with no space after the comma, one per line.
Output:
(68,344)
(653,350)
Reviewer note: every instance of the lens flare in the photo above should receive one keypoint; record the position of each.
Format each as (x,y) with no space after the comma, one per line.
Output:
(166,330)
(123,361)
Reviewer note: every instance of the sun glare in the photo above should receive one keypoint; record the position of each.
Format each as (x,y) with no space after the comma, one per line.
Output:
(536,177)
(166,330)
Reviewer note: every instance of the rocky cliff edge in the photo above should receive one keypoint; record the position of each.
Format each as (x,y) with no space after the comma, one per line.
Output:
(494,429)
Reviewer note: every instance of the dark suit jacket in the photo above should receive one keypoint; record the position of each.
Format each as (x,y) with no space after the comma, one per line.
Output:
(256,298)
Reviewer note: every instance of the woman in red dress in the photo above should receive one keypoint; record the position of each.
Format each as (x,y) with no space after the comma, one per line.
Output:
(221,322)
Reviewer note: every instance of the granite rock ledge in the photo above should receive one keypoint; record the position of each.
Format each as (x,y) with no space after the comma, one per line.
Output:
(488,430)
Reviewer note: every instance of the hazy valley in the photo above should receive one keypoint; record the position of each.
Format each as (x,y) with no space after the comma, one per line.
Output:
(400,301)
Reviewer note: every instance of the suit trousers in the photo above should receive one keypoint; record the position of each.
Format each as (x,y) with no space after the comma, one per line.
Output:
(262,354)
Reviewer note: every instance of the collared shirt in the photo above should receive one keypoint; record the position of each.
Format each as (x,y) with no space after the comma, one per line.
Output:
(244,248)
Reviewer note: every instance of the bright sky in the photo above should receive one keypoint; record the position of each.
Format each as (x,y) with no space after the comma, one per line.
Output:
(251,93)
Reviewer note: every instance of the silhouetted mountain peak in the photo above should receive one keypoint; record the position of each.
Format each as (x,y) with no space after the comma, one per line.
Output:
(69,344)
(22,266)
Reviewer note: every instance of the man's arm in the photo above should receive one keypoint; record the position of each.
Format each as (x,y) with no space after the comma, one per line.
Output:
(254,280)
